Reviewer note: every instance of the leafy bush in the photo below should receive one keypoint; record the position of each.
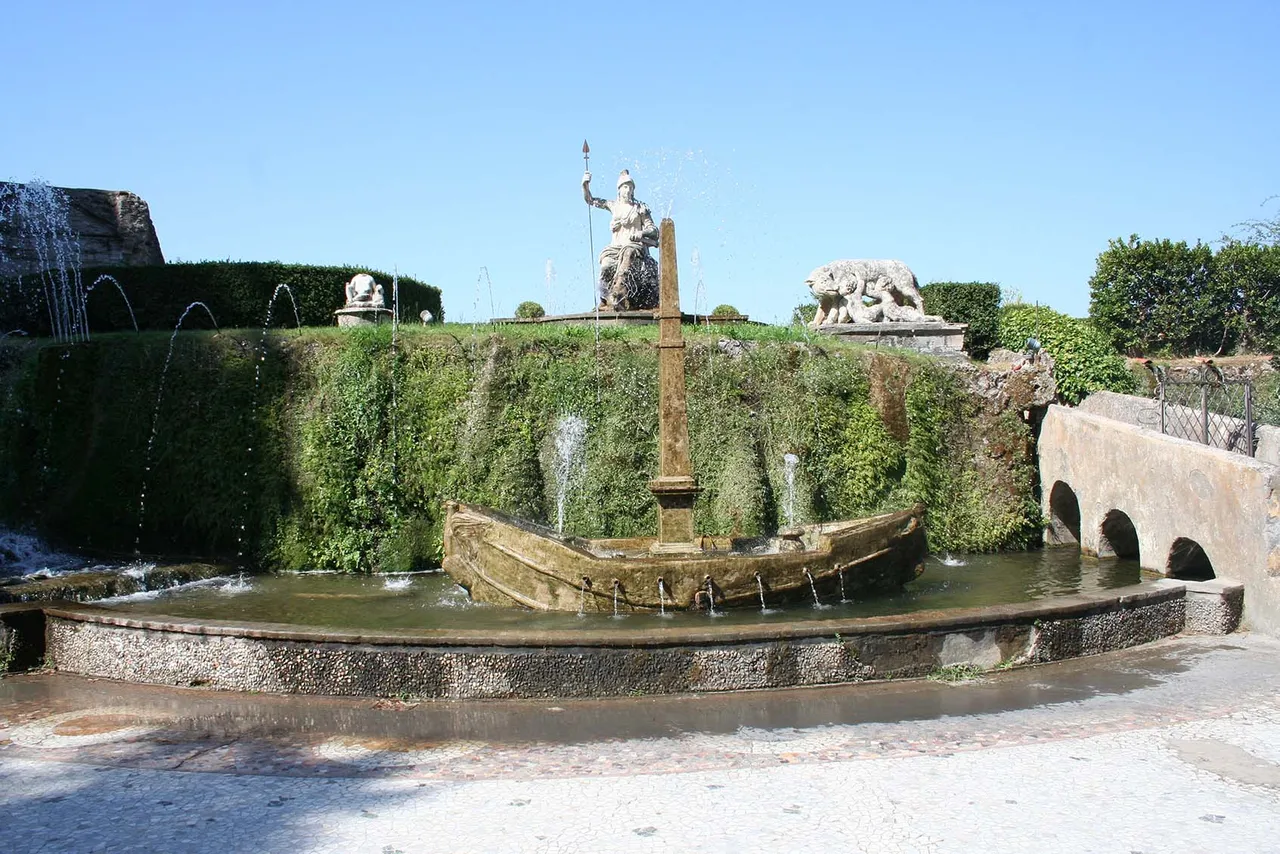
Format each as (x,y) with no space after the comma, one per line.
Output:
(236,292)
(974,303)
(1250,274)
(529,310)
(803,314)
(1157,296)
(724,310)
(1084,361)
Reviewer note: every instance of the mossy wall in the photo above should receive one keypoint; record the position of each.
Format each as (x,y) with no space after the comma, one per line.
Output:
(334,448)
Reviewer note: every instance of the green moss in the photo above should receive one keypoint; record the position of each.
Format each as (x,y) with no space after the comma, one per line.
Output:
(342,451)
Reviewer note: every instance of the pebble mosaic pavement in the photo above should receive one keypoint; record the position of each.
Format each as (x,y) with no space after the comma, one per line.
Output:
(1176,748)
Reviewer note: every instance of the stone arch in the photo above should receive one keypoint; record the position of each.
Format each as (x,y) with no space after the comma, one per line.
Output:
(1188,562)
(1117,536)
(1064,515)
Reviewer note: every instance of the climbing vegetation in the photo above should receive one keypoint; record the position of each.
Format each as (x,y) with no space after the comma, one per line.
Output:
(336,449)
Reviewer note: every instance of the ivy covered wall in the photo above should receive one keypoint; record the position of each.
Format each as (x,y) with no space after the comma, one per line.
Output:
(335,449)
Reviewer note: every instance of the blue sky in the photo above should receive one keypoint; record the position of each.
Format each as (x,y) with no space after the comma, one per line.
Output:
(993,142)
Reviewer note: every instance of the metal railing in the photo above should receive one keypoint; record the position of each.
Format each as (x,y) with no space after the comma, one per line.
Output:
(1208,408)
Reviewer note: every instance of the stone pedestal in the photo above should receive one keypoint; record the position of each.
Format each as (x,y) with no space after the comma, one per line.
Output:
(363,316)
(940,338)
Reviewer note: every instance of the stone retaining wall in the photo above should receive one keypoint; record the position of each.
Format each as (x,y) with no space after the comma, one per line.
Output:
(99,642)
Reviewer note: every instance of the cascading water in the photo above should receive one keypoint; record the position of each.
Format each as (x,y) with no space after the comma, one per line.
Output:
(40,217)
(155,415)
(241,531)
(550,272)
(764,609)
(483,278)
(569,434)
(789,464)
(699,289)
(112,279)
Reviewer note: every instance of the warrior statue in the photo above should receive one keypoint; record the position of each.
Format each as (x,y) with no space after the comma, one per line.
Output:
(628,274)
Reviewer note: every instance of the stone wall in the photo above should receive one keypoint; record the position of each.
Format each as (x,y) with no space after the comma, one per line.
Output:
(1145,412)
(114,228)
(96,641)
(1170,489)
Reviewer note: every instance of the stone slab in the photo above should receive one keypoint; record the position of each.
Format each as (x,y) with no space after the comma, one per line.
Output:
(925,337)
(627,318)
(1214,607)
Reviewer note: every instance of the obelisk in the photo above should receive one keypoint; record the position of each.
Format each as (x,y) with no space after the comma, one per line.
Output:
(674,488)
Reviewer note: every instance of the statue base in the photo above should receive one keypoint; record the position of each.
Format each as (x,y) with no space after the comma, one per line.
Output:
(936,338)
(626,318)
(363,316)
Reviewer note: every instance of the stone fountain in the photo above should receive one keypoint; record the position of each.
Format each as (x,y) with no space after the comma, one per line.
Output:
(504,560)
(366,303)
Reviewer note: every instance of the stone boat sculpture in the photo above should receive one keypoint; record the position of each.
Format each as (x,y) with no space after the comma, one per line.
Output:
(507,561)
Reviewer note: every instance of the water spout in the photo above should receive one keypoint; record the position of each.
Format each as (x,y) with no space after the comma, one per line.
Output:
(817,603)
(711,596)
(41,215)
(617,586)
(155,415)
(789,462)
(843,599)
(662,599)
(569,434)
(582,603)
(760,584)
(112,280)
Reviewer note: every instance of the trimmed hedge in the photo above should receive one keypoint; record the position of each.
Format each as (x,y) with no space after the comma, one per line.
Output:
(974,303)
(1084,361)
(236,292)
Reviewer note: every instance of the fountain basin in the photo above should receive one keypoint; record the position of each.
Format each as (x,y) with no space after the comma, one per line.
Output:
(458,663)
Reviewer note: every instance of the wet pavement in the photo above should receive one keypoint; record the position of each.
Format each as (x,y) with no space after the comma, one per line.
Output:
(1171,747)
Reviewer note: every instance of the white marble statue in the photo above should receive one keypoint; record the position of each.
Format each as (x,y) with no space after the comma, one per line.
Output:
(865,291)
(628,274)
(364,292)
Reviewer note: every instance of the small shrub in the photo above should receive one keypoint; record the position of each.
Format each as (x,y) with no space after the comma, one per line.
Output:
(1084,360)
(803,314)
(528,310)
(974,303)
(725,310)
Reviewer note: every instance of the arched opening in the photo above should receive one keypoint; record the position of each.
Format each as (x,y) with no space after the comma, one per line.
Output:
(1119,537)
(1064,516)
(1188,562)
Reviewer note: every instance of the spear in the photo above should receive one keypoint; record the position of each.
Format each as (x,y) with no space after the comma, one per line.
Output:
(591,234)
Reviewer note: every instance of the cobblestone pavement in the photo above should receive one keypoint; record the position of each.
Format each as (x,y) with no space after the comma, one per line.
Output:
(1171,748)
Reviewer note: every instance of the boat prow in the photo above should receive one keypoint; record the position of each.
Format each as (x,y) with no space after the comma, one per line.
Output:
(503,560)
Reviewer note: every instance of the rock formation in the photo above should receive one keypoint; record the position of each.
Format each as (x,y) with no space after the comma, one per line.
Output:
(113,228)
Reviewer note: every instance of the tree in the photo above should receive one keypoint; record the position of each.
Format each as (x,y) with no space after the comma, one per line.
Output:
(1159,296)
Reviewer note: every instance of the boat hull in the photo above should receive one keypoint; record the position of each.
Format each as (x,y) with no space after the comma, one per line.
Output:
(506,561)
